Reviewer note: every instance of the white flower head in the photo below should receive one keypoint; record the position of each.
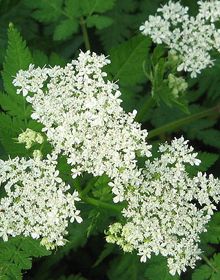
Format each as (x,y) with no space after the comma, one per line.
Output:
(191,37)
(37,201)
(169,210)
(83,118)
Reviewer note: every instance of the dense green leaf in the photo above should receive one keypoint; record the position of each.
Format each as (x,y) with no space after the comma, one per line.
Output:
(44,10)
(16,113)
(125,267)
(127,60)
(17,57)
(157,269)
(65,29)
(210,137)
(213,230)
(99,22)
(207,160)
(16,255)
(208,271)
(99,6)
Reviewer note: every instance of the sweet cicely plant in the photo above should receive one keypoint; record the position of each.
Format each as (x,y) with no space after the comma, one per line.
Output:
(77,163)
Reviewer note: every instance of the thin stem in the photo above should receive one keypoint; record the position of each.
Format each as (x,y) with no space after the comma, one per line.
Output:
(85,33)
(172,126)
(101,204)
(149,102)
(88,187)
(209,263)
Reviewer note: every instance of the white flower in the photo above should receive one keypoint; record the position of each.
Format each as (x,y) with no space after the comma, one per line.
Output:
(83,118)
(169,210)
(37,203)
(191,37)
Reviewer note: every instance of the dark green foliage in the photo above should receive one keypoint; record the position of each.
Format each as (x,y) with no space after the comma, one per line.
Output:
(208,272)
(16,256)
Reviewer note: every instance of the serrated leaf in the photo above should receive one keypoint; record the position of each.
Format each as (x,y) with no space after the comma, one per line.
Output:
(72,8)
(17,57)
(127,61)
(91,6)
(44,10)
(16,111)
(65,29)
(99,22)
(16,255)
(208,272)
(210,137)
(124,23)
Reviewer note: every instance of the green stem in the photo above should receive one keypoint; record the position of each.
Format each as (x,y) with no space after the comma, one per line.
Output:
(88,187)
(101,204)
(149,102)
(25,116)
(209,263)
(172,126)
(85,33)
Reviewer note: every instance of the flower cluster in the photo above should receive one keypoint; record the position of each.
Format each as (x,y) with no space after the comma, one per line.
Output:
(169,211)
(83,118)
(192,38)
(37,202)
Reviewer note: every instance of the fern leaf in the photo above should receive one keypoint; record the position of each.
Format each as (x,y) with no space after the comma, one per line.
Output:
(17,57)
(44,10)
(16,255)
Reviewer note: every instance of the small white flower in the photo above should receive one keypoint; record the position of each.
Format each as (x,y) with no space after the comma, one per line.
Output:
(83,118)
(192,38)
(37,203)
(169,210)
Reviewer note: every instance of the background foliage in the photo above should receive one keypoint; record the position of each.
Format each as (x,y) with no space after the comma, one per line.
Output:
(54,32)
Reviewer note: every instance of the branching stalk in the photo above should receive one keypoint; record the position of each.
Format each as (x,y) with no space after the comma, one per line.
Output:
(172,126)
(85,33)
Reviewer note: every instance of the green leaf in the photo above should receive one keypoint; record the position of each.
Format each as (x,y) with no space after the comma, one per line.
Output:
(44,10)
(207,160)
(16,114)
(126,267)
(127,60)
(209,271)
(157,269)
(72,8)
(213,230)
(99,6)
(77,237)
(99,22)
(124,23)
(65,29)
(210,137)
(16,255)
(17,57)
